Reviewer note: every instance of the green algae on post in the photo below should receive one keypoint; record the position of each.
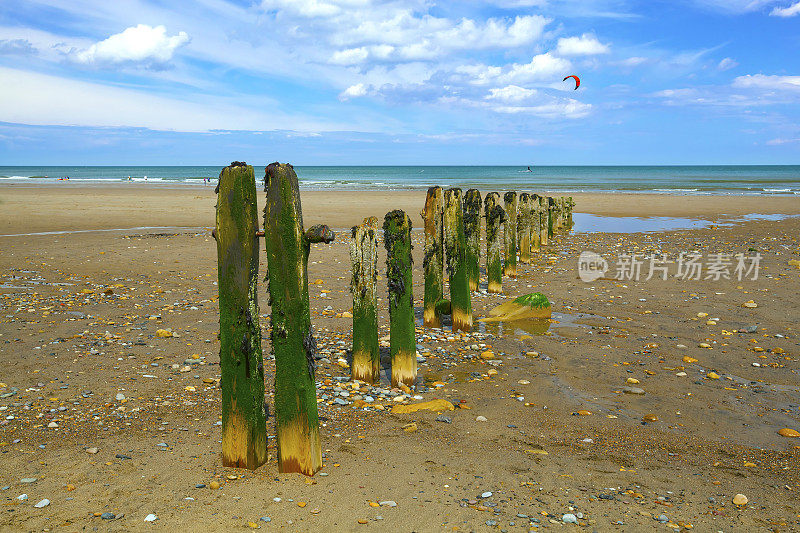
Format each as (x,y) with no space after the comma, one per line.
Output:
(402,339)
(536,238)
(364,256)
(510,234)
(455,246)
(472,235)
(544,235)
(293,343)
(495,216)
(244,422)
(433,258)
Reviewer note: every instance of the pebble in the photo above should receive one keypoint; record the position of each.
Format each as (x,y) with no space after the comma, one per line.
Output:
(120,396)
(150,518)
(632,390)
(22,497)
(740,499)
(445,419)
(42,503)
(52,425)
(91,451)
(569,518)
(712,375)
(662,518)
(214,485)
(481,418)
(28,480)
(486,494)
(108,516)
(388,503)
(650,417)
(265,519)
(788,432)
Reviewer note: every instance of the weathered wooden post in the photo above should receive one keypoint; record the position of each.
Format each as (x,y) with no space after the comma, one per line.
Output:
(524,228)
(534,225)
(288,246)
(544,236)
(364,256)
(455,245)
(402,340)
(495,216)
(433,259)
(244,422)
(472,235)
(571,204)
(551,215)
(510,234)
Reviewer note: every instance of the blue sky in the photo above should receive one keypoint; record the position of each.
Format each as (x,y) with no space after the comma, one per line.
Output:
(148,82)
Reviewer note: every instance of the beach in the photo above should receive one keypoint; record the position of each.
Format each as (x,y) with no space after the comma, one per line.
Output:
(647,404)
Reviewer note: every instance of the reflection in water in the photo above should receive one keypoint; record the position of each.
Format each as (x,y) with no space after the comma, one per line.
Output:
(535,326)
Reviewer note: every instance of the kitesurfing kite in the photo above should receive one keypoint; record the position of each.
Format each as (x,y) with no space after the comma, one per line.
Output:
(577,81)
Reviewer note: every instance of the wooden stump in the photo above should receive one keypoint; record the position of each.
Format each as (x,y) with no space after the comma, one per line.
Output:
(244,426)
(551,215)
(536,237)
(402,339)
(364,257)
(433,260)
(544,234)
(495,216)
(472,236)
(455,246)
(296,418)
(510,234)
(524,228)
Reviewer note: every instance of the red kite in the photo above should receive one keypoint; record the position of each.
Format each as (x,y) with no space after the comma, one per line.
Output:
(577,81)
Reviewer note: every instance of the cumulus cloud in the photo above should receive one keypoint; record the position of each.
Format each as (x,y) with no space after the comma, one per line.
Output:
(789,11)
(354,91)
(16,47)
(511,93)
(351,56)
(585,45)
(138,44)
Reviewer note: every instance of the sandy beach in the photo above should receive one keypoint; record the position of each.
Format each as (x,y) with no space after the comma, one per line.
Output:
(105,417)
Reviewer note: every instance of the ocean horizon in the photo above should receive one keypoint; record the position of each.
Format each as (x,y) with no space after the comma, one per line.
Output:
(678,179)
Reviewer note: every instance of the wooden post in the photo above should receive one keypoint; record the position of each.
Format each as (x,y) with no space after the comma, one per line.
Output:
(551,215)
(536,237)
(296,419)
(472,235)
(524,228)
(402,340)
(244,417)
(433,260)
(495,216)
(544,236)
(455,245)
(364,256)
(510,234)
(571,204)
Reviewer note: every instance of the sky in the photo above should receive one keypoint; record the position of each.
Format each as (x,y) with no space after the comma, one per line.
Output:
(372,82)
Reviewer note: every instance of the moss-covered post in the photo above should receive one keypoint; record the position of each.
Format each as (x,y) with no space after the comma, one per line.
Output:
(364,256)
(536,238)
(510,234)
(544,234)
(495,216)
(524,228)
(433,258)
(244,422)
(402,341)
(551,216)
(288,246)
(571,205)
(472,235)
(455,246)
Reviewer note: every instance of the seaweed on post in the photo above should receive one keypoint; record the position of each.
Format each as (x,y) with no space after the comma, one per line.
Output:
(244,425)
(455,246)
(510,234)
(433,258)
(544,233)
(364,257)
(402,339)
(536,237)
(495,216)
(293,343)
(472,235)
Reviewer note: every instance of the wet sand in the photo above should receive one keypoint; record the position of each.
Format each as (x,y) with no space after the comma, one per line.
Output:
(69,349)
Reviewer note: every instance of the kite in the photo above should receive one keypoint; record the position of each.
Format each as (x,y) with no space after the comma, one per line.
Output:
(577,81)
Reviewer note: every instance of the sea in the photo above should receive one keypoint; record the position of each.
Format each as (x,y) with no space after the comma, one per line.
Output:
(686,180)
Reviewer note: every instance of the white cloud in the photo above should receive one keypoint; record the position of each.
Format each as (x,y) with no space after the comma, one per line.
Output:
(27,98)
(727,64)
(633,61)
(542,67)
(351,56)
(789,11)
(772,83)
(511,93)
(137,44)
(585,45)
(566,109)
(16,47)
(354,91)
(779,141)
